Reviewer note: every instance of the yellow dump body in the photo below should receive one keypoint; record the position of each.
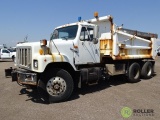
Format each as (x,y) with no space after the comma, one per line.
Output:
(127,46)
(120,43)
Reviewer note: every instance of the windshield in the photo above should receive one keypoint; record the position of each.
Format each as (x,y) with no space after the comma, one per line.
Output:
(66,33)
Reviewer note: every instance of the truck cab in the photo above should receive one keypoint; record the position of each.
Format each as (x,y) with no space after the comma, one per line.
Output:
(84,46)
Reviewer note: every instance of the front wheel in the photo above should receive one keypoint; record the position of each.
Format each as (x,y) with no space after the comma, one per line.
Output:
(55,86)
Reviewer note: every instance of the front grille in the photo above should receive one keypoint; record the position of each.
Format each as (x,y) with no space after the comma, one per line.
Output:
(24,57)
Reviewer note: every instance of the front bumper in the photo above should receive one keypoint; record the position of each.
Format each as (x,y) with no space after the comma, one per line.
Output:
(24,77)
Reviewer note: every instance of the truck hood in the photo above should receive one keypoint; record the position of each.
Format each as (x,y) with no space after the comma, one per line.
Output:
(63,46)
(56,46)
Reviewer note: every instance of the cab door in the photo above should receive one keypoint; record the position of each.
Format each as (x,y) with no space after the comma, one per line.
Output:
(88,52)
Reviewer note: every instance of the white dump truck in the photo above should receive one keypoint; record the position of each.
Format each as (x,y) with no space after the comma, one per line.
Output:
(84,52)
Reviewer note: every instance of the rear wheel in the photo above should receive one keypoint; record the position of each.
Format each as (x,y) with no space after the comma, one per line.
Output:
(147,70)
(55,86)
(134,73)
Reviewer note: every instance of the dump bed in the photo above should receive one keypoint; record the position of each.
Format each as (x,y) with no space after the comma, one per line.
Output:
(127,44)
(120,43)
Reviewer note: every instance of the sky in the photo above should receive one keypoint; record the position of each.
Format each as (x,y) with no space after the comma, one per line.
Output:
(38,18)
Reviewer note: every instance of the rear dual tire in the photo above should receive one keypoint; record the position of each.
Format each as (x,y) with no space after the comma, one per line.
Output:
(135,71)
(147,70)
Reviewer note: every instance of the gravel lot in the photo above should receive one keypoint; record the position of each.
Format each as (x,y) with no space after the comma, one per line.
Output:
(98,102)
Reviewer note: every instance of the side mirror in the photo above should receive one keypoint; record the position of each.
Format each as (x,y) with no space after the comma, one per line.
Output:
(95,40)
(95,32)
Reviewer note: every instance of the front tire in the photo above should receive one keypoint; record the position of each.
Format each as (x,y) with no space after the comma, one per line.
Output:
(55,86)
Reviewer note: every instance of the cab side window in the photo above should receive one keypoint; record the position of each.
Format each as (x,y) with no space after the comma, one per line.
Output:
(86,34)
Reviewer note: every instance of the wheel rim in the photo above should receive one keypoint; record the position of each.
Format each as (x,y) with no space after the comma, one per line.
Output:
(56,86)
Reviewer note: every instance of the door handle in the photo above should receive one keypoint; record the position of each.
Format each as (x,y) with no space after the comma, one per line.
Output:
(73,50)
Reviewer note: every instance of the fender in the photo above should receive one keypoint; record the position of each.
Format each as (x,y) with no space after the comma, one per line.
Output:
(46,60)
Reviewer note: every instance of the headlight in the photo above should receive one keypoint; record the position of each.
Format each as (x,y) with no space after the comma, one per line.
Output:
(35,63)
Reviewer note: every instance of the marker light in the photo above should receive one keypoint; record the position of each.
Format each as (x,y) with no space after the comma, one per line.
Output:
(41,51)
(79,19)
(75,46)
(43,42)
(96,14)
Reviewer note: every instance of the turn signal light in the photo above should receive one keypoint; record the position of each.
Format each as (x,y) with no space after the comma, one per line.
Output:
(41,52)
(75,46)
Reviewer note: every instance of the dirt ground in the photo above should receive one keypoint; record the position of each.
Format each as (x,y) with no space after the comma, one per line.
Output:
(99,102)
